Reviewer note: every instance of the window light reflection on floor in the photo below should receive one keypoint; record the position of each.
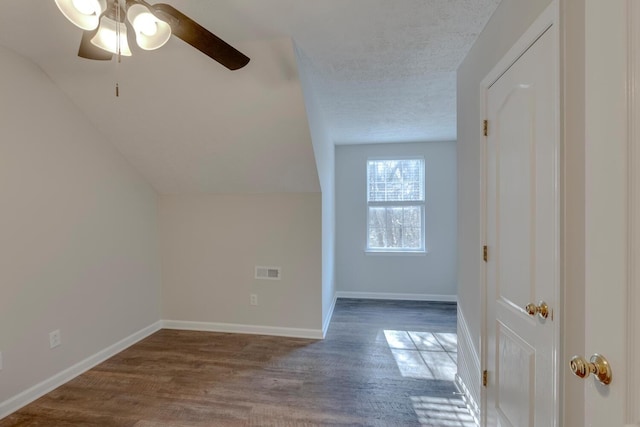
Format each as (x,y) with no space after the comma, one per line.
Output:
(441,412)
(423,355)
(430,356)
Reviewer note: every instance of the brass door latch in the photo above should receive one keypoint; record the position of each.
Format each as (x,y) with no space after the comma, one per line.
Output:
(598,365)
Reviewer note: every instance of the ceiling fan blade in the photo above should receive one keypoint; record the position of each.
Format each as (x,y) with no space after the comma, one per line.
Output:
(89,51)
(199,37)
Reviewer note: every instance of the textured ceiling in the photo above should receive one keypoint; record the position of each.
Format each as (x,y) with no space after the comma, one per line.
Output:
(387,70)
(382,71)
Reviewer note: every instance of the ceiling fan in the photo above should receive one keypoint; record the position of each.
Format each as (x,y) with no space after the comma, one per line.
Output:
(106,29)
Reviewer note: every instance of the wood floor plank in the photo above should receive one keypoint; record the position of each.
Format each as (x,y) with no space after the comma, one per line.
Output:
(193,379)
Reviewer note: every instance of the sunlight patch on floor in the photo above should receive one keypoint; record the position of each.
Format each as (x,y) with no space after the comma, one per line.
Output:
(441,412)
(424,355)
(430,356)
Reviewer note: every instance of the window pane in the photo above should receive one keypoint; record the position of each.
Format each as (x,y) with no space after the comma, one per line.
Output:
(412,238)
(377,217)
(377,238)
(395,227)
(395,217)
(395,238)
(412,216)
(395,180)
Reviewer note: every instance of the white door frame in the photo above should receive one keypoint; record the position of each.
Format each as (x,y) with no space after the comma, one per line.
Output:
(633,289)
(550,17)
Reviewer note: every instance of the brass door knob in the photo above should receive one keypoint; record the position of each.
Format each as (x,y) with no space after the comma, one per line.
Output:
(542,309)
(599,366)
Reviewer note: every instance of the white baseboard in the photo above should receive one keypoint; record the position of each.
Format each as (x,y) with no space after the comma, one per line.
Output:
(242,329)
(327,320)
(396,296)
(13,404)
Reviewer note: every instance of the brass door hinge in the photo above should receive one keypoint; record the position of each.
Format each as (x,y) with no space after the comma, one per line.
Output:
(485,128)
(485,253)
(485,378)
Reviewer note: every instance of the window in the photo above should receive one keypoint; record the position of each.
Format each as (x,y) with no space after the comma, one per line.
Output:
(395,205)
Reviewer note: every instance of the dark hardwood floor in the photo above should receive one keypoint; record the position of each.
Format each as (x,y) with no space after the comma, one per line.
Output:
(383,363)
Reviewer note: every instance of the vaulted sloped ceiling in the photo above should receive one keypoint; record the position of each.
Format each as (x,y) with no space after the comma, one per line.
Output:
(200,128)
(383,71)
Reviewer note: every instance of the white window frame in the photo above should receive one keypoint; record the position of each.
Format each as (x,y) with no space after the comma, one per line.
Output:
(419,203)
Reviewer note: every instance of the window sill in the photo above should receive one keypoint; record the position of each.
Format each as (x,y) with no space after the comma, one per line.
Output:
(395,253)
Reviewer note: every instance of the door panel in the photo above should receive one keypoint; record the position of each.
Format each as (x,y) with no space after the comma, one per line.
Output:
(515,283)
(516,379)
(522,214)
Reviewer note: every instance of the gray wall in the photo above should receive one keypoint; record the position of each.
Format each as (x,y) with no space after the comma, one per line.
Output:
(79,249)
(211,244)
(430,275)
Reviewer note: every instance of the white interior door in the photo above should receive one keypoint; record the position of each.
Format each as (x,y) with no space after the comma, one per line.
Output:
(522,235)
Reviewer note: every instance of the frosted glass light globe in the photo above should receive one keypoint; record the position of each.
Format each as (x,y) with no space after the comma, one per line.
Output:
(146,24)
(86,7)
(151,32)
(84,14)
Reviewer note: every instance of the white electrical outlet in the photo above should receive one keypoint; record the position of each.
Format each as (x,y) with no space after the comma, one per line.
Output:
(54,339)
(253,299)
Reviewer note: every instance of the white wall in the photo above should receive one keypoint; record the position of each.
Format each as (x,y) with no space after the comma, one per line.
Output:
(78,248)
(210,245)
(324,150)
(239,132)
(433,274)
(508,23)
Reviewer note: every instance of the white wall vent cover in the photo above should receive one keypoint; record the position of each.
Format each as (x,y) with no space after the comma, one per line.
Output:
(268,273)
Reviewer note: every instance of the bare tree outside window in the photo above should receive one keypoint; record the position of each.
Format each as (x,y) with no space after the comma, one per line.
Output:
(395,198)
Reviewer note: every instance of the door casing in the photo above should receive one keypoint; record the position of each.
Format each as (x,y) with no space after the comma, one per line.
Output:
(633,290)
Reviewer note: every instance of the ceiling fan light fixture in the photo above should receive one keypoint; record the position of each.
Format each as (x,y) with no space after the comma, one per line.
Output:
(83,13)
(151,32)
(107,36)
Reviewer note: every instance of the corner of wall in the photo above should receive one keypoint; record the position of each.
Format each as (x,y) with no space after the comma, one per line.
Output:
(324,151)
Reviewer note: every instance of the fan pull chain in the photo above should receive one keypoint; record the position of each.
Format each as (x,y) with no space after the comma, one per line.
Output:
(118,31)
(118,46)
